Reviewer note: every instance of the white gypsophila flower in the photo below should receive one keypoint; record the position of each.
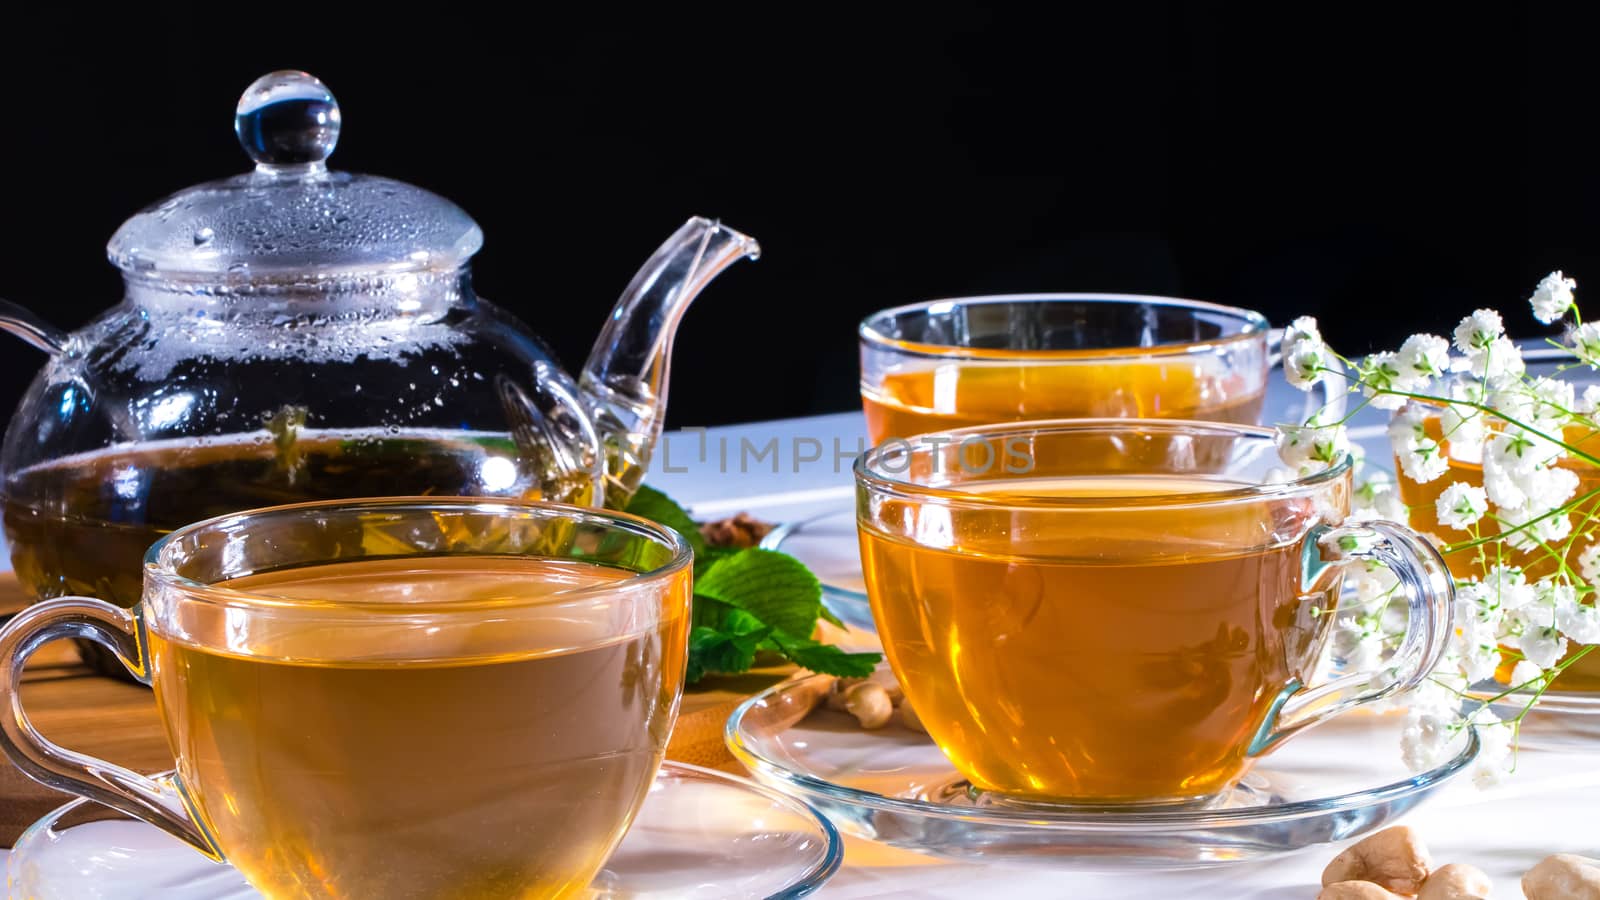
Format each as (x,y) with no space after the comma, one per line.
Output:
(1579,621)
(1481,662)
(1360,649)
(1543,646)
(1408,426)
(1379,374)
(1476,646)
(1461,505)
(1589,400)
(1423,461)
(1589,562)
(1391,508)
(1553,400)
(1548,487)
(1524,674)
(1311,447)
(1487,775)
(1424,356)
(1511,399)
(1552,298)
(1304,364)
(1372,484)
(1508,587)
(1503,488)
(1372,582)
(1517,451)
(1478,608)
(1479,330)
(1585,343)
(1556,592)
(1421,458)
(1500,360)
(1439,695)
(1425,741)
(1491,766)
(1534,632)
(1527,527)
(1463,425)
(1303,328)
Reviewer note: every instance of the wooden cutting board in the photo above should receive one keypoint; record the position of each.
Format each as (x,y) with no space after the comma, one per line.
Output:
(117,721)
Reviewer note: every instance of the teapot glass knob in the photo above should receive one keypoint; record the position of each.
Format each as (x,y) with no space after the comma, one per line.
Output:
(287,119)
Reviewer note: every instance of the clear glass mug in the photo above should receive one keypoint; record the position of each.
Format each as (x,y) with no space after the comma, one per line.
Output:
(1081,626)
(969,361)
(485,723)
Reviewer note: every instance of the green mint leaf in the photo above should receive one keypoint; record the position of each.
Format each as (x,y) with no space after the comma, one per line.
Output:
(711,650)
(709,613)
(826,615)
(824,659)
(774,587)
(663,510)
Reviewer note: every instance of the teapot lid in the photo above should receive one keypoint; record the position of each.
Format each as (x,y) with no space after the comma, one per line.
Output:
(292,222)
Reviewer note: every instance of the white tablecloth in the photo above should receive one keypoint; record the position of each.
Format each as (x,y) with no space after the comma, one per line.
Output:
(797,468)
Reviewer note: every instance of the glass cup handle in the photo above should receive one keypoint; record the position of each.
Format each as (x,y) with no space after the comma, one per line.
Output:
(1430,592)
(1335,389)
(120,631)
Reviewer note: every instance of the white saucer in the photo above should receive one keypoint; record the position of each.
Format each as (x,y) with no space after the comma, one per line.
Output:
(700,833)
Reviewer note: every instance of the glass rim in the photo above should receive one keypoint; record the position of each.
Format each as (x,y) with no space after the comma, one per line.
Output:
(867,478)
(869,331)
(160,569)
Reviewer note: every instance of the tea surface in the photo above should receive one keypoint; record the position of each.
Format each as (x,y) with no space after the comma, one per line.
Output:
(957,396)
(329,764)
(81,525)
(1102,657)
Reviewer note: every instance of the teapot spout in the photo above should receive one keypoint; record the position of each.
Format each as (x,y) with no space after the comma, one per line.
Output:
(625,380)
(32,329)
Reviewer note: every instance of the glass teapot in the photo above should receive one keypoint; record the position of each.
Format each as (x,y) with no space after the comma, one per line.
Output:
(297,333)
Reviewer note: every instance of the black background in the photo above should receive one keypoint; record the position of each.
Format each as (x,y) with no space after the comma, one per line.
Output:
(1385,170)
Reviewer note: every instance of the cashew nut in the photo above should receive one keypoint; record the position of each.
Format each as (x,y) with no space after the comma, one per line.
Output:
(1563,876)
(869,703)
(1355,890)
(1394,858)
(1456,882)
(836,689)
(884,677)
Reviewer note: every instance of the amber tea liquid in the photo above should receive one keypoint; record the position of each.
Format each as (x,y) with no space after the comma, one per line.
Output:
(960,395)
(1096,659)
(367,762)
(81,525)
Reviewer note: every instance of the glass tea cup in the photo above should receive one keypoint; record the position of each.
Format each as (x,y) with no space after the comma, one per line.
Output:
(980,360)
(1122,612)
(390,698)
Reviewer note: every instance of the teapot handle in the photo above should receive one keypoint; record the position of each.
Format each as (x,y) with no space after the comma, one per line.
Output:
(36,331)
(555,435)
